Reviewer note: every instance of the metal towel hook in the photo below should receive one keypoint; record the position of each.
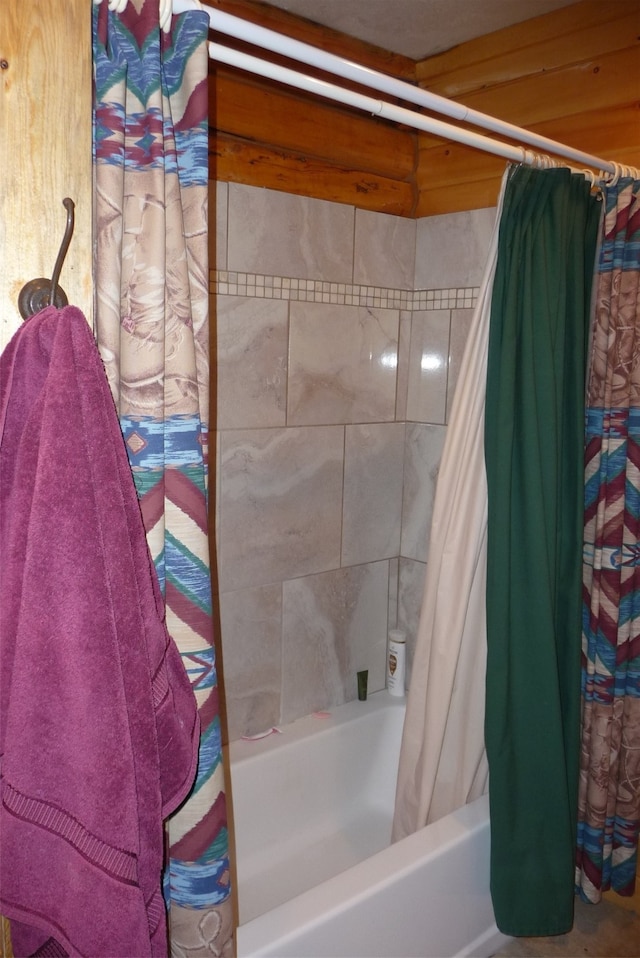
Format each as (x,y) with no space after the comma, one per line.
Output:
(41,292)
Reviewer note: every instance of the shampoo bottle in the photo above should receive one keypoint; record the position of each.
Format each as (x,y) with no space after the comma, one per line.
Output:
(396,662)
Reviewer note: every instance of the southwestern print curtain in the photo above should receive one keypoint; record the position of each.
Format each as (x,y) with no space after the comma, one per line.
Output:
(609,797)
(151,174)
(534,429)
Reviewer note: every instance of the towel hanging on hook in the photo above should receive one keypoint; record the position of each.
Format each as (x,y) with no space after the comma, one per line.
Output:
(41,292)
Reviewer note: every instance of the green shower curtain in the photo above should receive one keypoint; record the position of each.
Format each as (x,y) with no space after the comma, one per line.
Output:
(534,425)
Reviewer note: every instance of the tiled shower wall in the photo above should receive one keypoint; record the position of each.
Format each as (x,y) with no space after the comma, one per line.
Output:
(339,338)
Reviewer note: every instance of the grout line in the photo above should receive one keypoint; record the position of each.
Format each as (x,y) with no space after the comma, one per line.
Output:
(293,289)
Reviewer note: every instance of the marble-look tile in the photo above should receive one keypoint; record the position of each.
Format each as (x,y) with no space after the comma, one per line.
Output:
(460,325)
(423,451)
(281,504)
(411,580)
(342,364)
(402,378)
(218,211)
(333,625)
(384,250)
(452,248)
(428,362)
(251,624)
(280,234)
(372,498)
(252,362)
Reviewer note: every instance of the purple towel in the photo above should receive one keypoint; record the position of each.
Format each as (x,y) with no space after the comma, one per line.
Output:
(98,722)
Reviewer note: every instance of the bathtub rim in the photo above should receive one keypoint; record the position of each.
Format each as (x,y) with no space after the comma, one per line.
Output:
(243,750)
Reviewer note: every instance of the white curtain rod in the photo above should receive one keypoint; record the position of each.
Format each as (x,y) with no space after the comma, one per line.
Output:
(367,104)
(230,25)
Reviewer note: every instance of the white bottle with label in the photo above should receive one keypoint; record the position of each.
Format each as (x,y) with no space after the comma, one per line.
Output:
(396,662)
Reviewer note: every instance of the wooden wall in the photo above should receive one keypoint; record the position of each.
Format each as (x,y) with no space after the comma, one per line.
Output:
(572,75)
(45,149)
(265,134)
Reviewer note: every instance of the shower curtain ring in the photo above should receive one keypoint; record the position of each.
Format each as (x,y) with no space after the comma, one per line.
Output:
(615,176)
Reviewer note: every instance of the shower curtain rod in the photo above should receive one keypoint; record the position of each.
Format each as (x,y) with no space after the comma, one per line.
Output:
(238,28)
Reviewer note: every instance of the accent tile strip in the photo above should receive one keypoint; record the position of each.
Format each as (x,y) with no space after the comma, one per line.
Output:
(230,283)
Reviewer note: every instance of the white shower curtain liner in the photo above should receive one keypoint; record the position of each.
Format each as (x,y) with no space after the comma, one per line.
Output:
(443,763)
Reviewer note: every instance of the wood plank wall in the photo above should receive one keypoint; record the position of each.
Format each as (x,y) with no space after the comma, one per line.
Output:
(264,134)
(572,75)
(45,149)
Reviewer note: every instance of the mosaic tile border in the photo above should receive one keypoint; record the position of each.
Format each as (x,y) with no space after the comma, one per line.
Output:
(230,283)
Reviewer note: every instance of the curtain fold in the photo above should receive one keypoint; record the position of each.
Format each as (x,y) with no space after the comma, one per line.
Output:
(442,758)
(534,426)
(151,243)
(609,795)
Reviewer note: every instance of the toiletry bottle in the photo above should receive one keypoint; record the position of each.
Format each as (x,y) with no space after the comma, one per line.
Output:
(396,662)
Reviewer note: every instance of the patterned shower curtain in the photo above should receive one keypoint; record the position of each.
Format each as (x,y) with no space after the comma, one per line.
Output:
(151,185)
(609,796)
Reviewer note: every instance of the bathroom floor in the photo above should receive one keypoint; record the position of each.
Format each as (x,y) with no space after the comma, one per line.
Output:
(610,929)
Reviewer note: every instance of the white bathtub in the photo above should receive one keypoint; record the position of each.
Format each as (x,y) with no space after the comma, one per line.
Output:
(316,876)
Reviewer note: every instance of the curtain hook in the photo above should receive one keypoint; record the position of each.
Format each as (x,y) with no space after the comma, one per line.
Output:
(165,14)
(41,292)
(116,6)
